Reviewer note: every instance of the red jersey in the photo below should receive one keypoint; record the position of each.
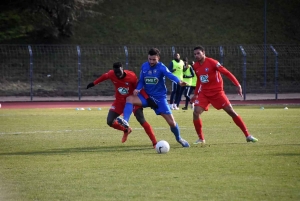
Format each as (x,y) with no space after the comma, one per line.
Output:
(209,76)
(123,87)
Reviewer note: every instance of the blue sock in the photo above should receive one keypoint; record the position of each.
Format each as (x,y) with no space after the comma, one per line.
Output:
(175,130)
(127,111)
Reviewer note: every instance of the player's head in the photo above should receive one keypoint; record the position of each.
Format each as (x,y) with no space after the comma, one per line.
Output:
(186,62)
(177,57)
(153,56)
(118,70)
(199,53)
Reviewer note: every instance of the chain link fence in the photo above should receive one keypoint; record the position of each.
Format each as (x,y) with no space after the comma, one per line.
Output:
(65,70)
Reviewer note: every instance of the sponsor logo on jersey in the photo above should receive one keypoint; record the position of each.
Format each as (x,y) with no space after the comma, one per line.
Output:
(151,80)
(204,78)
(123,90)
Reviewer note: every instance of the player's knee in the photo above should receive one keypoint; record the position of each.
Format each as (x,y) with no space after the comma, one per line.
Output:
(110,122)
(130,99)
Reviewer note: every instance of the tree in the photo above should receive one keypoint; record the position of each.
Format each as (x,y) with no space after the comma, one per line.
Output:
(54,18)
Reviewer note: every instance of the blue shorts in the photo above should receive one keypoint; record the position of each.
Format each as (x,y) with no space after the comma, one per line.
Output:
(163,106)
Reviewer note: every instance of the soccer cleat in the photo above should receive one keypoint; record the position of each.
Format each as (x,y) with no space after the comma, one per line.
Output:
(183,142)
(250,138)
(184,108)
(122,122)
(199,141)
(175,107)
(171,107)
(126,133)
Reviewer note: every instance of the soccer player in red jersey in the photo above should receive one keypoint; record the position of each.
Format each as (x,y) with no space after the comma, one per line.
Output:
(209,90)
(125,82)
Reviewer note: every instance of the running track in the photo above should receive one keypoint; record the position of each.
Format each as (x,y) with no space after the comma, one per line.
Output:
(84,104)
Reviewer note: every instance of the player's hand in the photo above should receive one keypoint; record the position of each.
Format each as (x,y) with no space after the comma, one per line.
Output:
(181,83)
(239,90)
(136,92)
(90,85)
(152,103)
(193,98)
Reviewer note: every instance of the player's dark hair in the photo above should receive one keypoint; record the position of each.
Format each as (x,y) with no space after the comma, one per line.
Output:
(201,48)
(117,65)
(154,51)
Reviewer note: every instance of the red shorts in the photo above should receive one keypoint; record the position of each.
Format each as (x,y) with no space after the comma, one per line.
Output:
(218,100)
(118,107)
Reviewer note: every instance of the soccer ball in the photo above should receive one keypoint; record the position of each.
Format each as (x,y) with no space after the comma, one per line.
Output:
(162,147)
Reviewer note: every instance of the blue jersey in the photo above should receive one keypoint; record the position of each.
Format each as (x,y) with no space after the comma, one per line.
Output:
(152,79)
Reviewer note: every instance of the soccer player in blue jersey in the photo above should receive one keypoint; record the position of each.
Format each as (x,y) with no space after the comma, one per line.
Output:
(152,79)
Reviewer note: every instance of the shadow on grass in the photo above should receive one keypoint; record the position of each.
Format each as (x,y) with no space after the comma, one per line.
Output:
(82,149)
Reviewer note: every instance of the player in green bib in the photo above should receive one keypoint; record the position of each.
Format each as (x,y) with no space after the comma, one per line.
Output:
(188,75)
(176,67)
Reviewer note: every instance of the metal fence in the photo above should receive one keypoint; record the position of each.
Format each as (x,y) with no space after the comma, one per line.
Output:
(65,70)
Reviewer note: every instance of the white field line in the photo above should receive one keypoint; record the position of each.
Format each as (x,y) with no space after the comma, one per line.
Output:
(107,129)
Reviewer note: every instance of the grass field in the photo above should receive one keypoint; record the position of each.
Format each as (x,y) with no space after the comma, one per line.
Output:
(64,154)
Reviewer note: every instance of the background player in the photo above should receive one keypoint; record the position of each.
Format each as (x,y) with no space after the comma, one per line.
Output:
(209,90)
(125,82)
(188,75)
(152,80)
(176,67)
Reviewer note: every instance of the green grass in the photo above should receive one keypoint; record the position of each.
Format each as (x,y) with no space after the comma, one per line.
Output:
(64,154)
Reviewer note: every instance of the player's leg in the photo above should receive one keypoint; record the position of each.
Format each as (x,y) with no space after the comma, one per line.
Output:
(192,88)
(113,121)
(201,105)
(187,94)
(178,97)
(173,95)
(139,115)
(220,101)
(165,112)
(130,102)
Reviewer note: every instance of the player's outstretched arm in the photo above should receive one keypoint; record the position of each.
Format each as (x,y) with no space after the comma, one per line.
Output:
(239,90)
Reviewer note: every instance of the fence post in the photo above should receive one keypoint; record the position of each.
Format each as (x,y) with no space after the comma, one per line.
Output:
(244,71)
(276,71)
(79,71)
(126,57)
(31,70)
(221,55)
(173,51)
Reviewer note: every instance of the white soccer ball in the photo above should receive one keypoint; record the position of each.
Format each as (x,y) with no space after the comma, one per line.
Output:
(162,147)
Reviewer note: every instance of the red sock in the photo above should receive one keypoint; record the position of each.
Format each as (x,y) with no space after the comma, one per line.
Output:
(240,123)
(118,126)
(198,128)
(150,133)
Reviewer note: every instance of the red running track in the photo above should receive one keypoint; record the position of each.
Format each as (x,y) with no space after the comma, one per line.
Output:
(85,104)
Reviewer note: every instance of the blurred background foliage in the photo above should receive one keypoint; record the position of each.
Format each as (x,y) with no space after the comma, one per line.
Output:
(136,22)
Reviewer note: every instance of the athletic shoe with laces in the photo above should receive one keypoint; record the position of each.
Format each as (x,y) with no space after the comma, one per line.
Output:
(171,107)
(183,142)
(199,141)
(184,108)
(175,107)
(250,138)
(126,133)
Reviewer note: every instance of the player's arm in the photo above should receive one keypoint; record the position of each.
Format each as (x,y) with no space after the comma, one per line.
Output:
(171,67)
(232,78)
(98,80)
